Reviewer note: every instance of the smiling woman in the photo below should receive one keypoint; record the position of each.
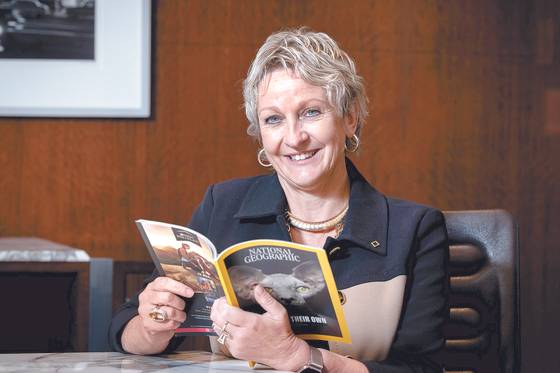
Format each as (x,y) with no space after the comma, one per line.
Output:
(306,106)
(303,137)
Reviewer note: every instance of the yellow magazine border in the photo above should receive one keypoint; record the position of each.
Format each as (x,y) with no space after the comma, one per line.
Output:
(325,269)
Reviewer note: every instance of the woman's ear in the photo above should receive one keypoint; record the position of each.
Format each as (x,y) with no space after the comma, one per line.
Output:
(350,121)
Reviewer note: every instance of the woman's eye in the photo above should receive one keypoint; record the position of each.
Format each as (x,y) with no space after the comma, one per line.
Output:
(273,119)
(310,113)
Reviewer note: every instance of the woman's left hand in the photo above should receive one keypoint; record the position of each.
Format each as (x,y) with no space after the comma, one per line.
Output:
(266,338)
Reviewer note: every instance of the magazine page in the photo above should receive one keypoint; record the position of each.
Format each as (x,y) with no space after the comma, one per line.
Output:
(186,256)
(298,276)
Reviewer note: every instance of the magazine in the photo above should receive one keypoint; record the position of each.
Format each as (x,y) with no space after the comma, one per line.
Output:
(298,276)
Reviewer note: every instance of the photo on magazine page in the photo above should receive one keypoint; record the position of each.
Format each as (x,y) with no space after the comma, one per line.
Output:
(182,255)
(299,277)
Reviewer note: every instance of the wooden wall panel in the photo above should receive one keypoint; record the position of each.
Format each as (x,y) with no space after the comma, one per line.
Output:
(462,102)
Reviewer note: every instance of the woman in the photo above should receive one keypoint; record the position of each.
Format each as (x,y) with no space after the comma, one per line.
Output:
(306,106)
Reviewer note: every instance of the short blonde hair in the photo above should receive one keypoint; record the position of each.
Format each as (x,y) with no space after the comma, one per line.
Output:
(314,57)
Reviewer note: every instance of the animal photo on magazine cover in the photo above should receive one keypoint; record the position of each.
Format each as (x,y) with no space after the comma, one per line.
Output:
(293,279)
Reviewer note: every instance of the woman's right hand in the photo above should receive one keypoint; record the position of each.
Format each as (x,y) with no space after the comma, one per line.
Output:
(164,293)
(142,334)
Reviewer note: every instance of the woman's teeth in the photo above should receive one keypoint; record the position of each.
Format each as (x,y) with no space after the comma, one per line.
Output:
(302,156)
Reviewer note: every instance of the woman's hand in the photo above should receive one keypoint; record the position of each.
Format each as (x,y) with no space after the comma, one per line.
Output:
(142,334)
(266,338)
(164,293)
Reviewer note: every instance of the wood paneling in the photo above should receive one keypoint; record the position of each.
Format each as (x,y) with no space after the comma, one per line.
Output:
(461,96)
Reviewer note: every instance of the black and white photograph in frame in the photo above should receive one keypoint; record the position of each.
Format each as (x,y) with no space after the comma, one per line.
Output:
(53,29)
(55,66)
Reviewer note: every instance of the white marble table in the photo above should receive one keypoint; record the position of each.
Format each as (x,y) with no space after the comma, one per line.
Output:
(111,362)
(33,249)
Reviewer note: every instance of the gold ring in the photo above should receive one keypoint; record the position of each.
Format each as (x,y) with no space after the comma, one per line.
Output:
(225,327)
(224,334)
(222,337)
(158,315)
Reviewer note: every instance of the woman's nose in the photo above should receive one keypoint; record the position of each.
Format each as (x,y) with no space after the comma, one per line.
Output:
(295,134)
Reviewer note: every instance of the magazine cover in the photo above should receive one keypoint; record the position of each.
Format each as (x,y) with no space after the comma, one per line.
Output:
(298,276)
(185,256)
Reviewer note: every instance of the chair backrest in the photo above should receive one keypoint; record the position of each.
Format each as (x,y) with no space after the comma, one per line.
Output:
(482,334)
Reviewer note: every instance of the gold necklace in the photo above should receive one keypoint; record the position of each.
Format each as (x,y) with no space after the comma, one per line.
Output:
(338,229)
(321,226)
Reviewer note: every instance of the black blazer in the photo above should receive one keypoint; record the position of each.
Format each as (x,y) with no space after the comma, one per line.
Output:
(390,263)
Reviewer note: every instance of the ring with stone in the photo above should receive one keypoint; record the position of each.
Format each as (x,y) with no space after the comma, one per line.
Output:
(158,315)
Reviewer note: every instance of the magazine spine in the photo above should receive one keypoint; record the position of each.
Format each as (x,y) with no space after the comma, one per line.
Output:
(150,248)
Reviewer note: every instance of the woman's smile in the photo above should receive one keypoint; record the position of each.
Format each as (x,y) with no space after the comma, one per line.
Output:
(298,157)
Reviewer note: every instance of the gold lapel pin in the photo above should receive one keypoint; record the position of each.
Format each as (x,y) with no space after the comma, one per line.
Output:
(341,297)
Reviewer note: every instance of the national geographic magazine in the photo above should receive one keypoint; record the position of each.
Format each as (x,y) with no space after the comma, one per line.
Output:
(298,276)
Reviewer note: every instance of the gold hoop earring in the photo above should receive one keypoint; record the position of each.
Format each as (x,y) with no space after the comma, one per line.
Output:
(354,143)
(261,158)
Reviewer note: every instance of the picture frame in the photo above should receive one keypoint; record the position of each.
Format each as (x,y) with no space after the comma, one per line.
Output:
(116,83)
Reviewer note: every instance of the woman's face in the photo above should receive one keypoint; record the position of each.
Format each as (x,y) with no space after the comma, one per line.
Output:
(302,136)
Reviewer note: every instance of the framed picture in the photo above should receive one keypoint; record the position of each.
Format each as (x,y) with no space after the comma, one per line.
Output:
(75,58)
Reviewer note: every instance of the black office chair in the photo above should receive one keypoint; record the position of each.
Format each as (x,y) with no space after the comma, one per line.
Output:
(482,334)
